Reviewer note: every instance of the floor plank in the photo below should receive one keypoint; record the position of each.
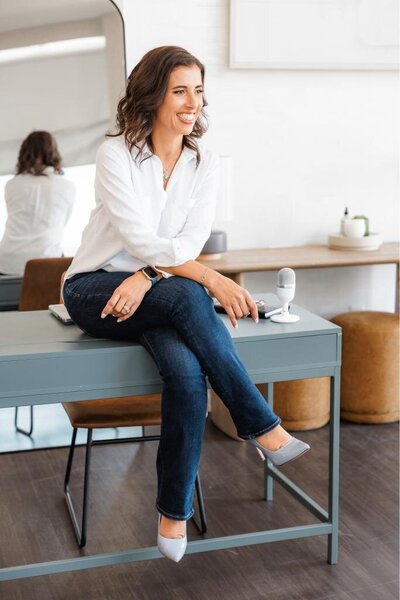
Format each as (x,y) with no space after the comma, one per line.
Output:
(122,516)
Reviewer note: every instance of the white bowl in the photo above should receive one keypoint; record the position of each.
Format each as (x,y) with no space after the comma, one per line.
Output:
(368,242)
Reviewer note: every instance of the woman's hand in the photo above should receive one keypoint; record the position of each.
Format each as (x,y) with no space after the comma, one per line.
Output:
(236,300)
(127,297)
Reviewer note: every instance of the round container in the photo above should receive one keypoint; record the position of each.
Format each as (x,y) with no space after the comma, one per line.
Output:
(369,242)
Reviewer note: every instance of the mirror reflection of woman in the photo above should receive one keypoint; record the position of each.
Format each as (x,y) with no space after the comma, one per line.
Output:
(136,277)
(39,202)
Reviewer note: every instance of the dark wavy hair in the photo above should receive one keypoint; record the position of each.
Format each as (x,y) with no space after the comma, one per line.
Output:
(38,151)
(145,92)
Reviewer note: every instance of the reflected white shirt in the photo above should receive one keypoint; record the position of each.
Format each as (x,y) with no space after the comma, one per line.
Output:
(38,209)
(136,222)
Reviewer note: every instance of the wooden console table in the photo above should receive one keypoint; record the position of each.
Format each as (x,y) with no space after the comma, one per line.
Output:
(235,263)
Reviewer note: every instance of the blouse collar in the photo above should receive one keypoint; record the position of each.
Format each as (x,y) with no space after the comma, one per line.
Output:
(187,153)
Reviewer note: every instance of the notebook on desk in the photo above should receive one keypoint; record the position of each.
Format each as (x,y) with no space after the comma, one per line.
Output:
(60,312)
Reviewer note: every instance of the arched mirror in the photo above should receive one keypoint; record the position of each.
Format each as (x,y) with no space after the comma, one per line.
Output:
(62,69)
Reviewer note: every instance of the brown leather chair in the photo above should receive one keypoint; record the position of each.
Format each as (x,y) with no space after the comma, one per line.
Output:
(41,282)
(40,287)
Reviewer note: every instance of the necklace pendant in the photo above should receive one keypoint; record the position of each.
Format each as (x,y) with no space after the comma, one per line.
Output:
(165,176)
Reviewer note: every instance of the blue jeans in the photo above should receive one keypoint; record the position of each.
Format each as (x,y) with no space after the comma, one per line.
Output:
(177,324)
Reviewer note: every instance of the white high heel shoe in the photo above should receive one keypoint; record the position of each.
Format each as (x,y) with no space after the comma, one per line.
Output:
(172,548)
(289,451)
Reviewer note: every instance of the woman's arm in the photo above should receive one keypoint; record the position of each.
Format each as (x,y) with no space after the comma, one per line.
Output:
(127,297)
(236,300)
(113,185)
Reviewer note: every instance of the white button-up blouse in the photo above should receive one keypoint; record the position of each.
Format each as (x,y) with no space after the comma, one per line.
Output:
(136,222)
(38,209)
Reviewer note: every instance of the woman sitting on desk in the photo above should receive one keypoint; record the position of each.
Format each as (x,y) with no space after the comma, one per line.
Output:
(39,202)
(156,191)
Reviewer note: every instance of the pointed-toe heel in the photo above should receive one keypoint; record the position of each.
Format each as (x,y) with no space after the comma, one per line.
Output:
(172,548)
(291,450)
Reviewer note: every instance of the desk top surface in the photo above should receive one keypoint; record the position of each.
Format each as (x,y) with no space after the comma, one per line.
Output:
(4,279)
(38,332)
(300,257)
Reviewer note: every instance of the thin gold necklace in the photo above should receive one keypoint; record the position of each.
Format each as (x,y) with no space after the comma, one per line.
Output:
(172,163)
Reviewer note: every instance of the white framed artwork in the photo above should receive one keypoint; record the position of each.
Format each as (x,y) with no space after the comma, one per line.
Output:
(314,34)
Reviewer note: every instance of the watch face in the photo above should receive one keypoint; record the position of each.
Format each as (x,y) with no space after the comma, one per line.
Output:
(150,272)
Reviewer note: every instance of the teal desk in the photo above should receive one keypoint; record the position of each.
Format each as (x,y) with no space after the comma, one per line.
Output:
(10,290)
(43,361)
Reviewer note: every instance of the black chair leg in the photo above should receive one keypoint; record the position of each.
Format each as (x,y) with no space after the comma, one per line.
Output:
(202,528)
(80,531)
(70,459)
(28,433)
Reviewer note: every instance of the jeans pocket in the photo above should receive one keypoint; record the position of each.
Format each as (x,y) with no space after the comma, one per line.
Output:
(81,285)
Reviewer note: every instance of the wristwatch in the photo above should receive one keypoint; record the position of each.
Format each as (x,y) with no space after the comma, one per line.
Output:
(150,274)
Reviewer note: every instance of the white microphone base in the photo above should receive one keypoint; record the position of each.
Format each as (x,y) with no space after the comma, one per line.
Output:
(285,318)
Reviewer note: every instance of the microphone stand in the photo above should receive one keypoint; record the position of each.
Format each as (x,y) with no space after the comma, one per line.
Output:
(285,316)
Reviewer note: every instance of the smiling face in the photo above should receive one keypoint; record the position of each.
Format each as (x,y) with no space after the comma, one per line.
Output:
(182,103)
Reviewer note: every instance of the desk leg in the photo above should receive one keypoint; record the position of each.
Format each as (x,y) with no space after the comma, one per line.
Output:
(334,442)
(268,480)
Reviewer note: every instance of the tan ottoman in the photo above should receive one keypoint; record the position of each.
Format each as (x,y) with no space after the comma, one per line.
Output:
(370,366)
(302,404)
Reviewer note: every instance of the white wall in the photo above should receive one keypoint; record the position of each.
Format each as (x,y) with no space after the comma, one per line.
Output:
(304,145)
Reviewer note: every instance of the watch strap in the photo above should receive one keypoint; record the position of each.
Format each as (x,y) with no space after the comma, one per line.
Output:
(150,274)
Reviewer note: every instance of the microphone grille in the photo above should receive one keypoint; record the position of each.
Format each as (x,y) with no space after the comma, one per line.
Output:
(286,278)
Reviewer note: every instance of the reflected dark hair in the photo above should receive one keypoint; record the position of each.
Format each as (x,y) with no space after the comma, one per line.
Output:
(145,92)
(38,151)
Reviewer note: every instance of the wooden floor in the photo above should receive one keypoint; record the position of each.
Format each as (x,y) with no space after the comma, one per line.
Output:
(35,527)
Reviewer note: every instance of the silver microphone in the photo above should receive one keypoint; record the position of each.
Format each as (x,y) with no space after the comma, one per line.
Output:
(285,290)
